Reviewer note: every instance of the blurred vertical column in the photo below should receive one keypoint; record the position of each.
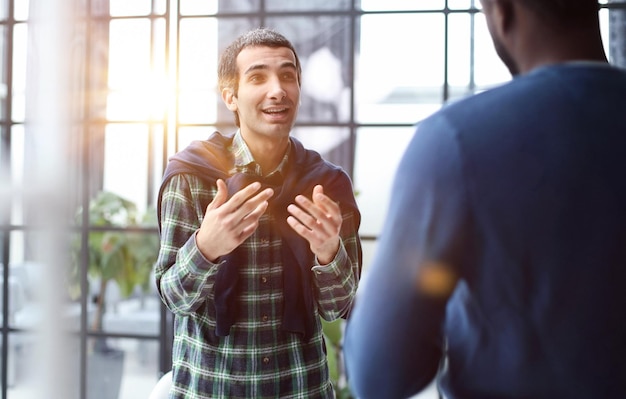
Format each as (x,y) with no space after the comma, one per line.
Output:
(46,187)
(617,29)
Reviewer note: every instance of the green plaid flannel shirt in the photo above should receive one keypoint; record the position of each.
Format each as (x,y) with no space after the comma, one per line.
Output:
(257,359)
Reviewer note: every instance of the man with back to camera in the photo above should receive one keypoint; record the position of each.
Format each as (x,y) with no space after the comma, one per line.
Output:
(258,241)
(502,263)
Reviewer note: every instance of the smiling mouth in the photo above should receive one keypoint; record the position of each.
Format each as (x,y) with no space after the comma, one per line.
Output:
(275,111)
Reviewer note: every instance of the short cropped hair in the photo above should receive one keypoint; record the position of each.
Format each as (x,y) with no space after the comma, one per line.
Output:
(564,11)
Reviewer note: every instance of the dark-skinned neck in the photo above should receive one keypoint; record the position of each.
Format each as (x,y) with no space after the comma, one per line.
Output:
(540,44)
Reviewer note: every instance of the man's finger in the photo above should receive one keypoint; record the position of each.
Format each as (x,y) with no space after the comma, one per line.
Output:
(242,195)
(221,196)
(324,202)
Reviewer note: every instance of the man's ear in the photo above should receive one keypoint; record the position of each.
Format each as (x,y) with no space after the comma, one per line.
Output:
(503,17)
(229,98)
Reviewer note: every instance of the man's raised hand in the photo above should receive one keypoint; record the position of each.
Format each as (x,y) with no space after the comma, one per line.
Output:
(229,222)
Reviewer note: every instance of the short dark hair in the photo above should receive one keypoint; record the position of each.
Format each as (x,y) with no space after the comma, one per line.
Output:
(564,11)
(227,73)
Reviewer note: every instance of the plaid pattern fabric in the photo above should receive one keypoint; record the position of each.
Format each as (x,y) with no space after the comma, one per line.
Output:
(257,359)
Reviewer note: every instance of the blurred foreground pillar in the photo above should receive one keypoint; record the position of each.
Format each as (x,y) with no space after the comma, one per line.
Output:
(46,187)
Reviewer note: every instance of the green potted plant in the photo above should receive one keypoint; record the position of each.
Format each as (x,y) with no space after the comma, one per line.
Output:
(120,250)
(120,254)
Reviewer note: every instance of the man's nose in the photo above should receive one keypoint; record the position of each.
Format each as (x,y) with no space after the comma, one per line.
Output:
(276,90)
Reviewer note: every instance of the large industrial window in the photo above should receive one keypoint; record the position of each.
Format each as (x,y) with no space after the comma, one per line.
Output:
(146,77)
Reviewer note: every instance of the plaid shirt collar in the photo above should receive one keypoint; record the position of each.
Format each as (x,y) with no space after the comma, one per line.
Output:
(244,161)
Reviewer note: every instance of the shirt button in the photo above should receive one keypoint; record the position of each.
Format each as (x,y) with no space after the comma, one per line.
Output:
(265,318)
(264,279)
(266,360)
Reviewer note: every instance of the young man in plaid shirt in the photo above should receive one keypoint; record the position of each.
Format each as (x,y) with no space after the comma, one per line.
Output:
(259,241)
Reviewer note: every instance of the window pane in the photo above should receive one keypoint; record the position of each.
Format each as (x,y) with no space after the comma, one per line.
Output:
(129,8)
(4,87)
(129,51)
(104,373)
(20,10)
(490,70)
(613,26)
(282,5)
(198,106)
(195,7)
(333,143)
(605,29)
(324,47)
(160,6)
(378,151)
(129,105)
(188,134)
(139,87)
(369,249)
(20,292)
(459,49)
(159,72)
(198,95)
(400,81)
(158,156)
(128,369)
(18,165)
(25,315)
(121,290)
(460,57)
(401,5)
(140,367)
(20,360)
(20,39)
(138,313)
(462,4)
(198,53)
(126,162)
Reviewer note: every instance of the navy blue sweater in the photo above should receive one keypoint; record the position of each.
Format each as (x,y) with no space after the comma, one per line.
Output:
(519,195)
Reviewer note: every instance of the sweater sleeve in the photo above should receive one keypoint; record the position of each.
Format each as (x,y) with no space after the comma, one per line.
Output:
(393,342)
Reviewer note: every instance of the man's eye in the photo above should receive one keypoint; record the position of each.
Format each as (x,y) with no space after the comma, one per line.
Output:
(289,76)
